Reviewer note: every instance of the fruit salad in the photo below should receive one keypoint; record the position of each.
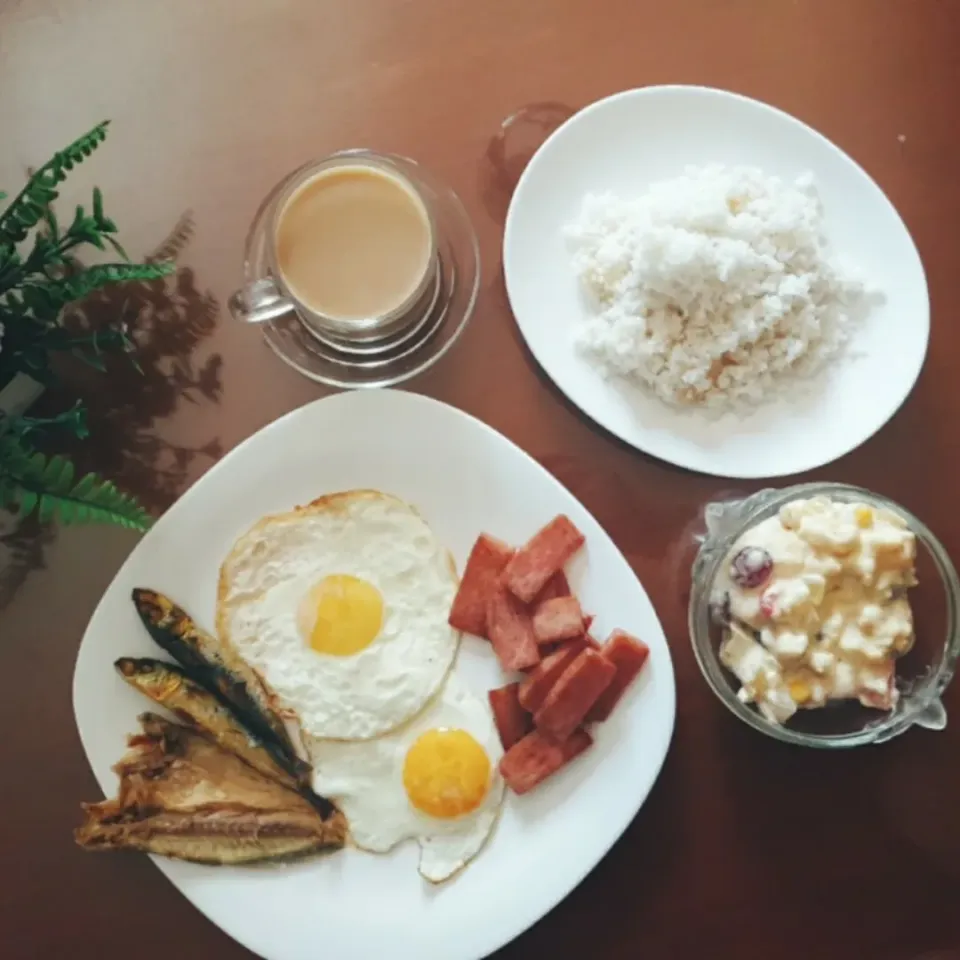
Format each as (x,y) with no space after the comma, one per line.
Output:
(814,606)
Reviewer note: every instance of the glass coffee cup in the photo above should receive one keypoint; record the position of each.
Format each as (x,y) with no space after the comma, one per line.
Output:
(351,250)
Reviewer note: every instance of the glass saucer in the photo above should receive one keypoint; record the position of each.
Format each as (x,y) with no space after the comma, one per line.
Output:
(435,321)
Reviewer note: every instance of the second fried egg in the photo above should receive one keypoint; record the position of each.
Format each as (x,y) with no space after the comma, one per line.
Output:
(435,780)
(341,607)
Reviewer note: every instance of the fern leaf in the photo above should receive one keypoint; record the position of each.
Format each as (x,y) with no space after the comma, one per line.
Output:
(29,206)
(28,500)
(33,482)
(98,216)
(82,490)
(58,473)
(47,509)
(117,247)
(70,289)
(53,225)
(73,420)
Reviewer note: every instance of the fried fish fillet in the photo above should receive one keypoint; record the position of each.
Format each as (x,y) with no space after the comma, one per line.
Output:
(171,687)
(182,796)
(217,667)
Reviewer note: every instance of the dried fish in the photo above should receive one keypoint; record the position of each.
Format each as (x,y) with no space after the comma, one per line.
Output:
(217,667)
(171,687)
(183,796)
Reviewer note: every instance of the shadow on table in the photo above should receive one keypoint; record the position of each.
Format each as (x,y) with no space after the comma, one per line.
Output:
(168,320)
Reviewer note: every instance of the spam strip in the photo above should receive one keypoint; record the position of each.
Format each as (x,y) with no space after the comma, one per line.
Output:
(572,688)
(521,601)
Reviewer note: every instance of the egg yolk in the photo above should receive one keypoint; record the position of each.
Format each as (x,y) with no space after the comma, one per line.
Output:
(341,615)
(446,773)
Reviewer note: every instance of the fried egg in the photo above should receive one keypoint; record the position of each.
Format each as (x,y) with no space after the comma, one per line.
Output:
(435,780)
(341,607)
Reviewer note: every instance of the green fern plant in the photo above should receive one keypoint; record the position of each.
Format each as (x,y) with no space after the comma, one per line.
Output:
(40,275)
(33,482)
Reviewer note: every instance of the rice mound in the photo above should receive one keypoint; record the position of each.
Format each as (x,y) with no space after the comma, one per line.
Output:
(712,288)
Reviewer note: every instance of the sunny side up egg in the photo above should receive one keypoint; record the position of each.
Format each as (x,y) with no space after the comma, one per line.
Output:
(435,780)
(341,607)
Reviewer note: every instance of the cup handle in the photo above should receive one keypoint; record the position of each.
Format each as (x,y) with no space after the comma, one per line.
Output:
(259,302)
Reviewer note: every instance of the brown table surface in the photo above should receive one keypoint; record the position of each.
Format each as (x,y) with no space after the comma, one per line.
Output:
(744,848)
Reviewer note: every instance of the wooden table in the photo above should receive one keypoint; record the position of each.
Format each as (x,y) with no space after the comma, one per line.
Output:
(744,849)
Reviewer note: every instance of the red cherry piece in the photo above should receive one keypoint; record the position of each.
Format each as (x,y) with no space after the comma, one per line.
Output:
(768,603)
(751,567)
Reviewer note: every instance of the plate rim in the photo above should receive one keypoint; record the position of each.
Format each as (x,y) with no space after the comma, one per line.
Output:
(668,678)
(625,435)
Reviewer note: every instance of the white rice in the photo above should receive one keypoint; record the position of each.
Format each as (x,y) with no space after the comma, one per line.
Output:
(713,288)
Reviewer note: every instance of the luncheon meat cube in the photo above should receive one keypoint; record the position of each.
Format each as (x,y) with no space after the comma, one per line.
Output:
(574,693)
(581,641)
(537,757)
(534,564)
(513,722)
(628,655)
(558,619)
(484,565)
(539,682)
(557,586)
(511,631)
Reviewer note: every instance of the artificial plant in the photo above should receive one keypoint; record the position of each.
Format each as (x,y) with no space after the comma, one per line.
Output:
(40,276)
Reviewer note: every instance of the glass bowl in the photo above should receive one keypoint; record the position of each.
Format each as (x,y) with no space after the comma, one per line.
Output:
(922,674)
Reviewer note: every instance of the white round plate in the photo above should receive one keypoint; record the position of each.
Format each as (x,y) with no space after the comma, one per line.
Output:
(630,140)
(465,478)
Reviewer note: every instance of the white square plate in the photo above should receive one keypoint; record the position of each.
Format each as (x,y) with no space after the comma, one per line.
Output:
(464,478)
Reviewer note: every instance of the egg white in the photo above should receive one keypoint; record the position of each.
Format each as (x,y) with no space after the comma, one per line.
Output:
(369,535)
(365,780)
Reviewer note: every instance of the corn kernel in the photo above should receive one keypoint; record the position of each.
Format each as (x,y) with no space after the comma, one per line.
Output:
(864,517)
(799,691)
(903,644)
